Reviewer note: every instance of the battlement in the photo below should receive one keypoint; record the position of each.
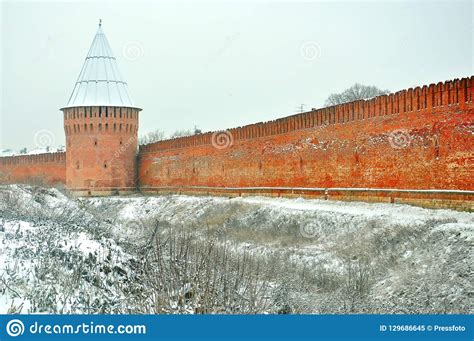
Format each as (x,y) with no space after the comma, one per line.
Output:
(410,146)
(44,169)
(90,120)
(428,97)
(59,157)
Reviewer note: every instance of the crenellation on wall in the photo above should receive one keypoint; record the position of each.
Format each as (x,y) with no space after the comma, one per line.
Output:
(33,158)
(45,168)
(86,120)
(401,102)
(417,138)
(405,101)
(102,146)
(406,140)
(464,91)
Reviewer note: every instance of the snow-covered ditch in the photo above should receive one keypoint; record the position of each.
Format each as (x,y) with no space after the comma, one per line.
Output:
(182,254)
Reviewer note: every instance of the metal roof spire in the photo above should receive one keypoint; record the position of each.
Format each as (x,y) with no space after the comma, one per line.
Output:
(100,82)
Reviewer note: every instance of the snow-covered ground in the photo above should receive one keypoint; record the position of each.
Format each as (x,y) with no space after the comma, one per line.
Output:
(127,254)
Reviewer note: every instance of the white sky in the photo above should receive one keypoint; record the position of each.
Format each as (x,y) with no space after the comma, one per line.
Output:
(219,65)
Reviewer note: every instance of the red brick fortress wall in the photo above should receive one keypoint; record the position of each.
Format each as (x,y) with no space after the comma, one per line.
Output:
(416,140)
(41,169)
(101,149)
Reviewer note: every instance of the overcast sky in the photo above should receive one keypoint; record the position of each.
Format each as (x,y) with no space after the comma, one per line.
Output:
(221,65)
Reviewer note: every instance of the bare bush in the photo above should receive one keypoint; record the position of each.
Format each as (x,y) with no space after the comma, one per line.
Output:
(152,137)
(193,274)
(86,256)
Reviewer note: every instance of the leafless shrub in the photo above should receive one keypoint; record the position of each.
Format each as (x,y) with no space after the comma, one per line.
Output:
(193,274)
(357,281)
(15,309)
(227,258)
(8,199)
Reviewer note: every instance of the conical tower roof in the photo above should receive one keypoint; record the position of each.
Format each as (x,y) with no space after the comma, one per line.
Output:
(100,82)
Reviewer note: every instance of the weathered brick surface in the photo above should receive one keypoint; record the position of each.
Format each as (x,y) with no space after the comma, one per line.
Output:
(47,169)
(100,159)
(101,149)
(415,139)
(420,138)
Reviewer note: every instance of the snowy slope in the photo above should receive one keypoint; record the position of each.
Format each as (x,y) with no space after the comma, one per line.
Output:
(60,254)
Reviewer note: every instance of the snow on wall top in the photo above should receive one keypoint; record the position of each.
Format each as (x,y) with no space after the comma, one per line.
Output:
(43,150)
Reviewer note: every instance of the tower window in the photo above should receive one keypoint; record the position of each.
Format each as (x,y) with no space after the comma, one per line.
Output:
(100,111)
(105,164)
(115,112)
(95,142)
(90,112)
(100,126)
(91,127)
(77,165)
(106,127)
(106,112)
(120,113)
(115,126)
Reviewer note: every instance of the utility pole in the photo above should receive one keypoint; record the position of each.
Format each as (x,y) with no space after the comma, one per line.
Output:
(300,108)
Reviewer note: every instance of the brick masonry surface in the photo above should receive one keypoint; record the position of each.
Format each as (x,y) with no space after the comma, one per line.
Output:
(418,140)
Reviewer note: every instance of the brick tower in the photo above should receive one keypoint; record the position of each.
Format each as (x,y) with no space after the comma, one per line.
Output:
(101,124)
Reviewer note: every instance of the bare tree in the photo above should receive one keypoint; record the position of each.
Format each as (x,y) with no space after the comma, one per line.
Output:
(183,132)
(354,93)
(151,137)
